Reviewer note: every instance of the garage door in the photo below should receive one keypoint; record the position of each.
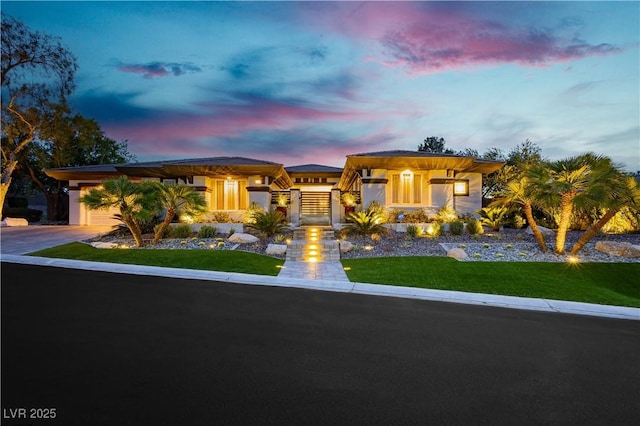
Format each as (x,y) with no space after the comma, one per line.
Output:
(103,217)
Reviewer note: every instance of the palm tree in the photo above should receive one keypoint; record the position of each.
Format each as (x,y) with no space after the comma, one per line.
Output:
(177,200)
(134,200)
(582,182)
(520,191)
(624,191)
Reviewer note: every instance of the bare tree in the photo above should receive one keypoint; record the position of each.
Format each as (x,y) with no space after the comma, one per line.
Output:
(36,72)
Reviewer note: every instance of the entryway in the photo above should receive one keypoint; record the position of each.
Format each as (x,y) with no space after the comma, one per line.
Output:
(315,208)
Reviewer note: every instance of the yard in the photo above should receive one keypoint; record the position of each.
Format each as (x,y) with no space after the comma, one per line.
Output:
(602,283)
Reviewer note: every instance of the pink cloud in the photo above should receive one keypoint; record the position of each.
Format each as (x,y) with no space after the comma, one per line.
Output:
(433,48)
(429,37)
(230,120)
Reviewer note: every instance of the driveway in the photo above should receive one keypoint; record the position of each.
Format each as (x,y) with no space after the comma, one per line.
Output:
(27,239)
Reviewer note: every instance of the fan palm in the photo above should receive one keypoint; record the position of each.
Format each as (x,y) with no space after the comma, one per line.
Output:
(134,200)
(520,191)
(177,200)
(580,182)
(624,191)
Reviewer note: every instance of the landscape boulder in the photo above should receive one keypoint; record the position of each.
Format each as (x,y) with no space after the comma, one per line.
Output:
(543,230)
(241,238)
(276,249)
(103,245)
(16,221)
(457,253)
(615,248)
(345,246)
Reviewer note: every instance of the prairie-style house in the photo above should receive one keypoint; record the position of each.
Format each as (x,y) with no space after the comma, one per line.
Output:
(309,194)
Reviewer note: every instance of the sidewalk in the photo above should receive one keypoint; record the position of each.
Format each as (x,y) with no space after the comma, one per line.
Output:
(543,305)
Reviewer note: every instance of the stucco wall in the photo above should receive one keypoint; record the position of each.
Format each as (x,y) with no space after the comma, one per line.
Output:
(472,202)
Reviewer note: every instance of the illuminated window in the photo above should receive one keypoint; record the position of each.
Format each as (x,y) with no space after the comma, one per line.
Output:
(461,187)
(406,188)
(231,194)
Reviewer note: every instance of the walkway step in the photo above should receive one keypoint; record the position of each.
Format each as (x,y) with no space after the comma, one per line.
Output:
(313,253)
(329,271)
(313,244)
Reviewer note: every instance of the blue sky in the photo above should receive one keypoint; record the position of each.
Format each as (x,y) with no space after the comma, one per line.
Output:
(310,82)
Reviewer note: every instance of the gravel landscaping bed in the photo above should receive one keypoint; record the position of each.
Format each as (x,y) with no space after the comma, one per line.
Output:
(508,245)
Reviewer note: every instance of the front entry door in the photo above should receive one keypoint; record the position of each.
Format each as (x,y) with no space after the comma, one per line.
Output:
(315,208)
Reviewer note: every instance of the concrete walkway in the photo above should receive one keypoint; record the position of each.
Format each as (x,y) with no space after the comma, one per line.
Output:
(324,270)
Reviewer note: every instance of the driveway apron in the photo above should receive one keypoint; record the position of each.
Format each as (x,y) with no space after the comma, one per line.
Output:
(27,239)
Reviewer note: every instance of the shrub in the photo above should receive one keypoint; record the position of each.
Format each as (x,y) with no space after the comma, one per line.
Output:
(435,229)
(182,230)
(207,231)
(366,223)
(376,208)
(518,221)
(474,227)
(249,215)
(414,231)
(267,223)
(416,216)
(446,214)
(456,227)
(493,217)
(221,217)
(395,216)
(32,215)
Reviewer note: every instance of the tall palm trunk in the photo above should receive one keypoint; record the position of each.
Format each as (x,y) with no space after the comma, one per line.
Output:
(565,219)
(528,213)
(171,213)
(593,230)
(134,227)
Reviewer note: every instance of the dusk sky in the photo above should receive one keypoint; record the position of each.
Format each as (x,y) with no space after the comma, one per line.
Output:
(310,82)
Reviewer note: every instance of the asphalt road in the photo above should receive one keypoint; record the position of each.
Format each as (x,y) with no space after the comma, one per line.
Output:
(110,349)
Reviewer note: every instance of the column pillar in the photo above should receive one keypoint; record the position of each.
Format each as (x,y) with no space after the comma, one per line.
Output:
(295,207)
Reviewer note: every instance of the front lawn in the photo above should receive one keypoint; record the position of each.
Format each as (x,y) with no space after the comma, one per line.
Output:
(210,260)
(602,283)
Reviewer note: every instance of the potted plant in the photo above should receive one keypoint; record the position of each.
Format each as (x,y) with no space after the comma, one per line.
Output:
(349,200)
(282,203)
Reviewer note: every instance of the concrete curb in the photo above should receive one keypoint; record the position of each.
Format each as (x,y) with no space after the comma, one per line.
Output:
(511,302)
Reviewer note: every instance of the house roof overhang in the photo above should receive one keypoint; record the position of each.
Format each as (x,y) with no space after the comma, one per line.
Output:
(212,167)
(413,160)
(315,170)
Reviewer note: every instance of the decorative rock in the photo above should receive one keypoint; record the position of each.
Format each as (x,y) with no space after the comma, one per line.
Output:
(16,221)
(543,230)
(104,245)
(457,253)
(345,246)
(618,248)
(241,238)
(275,249)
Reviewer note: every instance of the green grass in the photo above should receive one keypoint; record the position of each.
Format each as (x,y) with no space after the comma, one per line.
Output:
(602,283)
(210,260)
